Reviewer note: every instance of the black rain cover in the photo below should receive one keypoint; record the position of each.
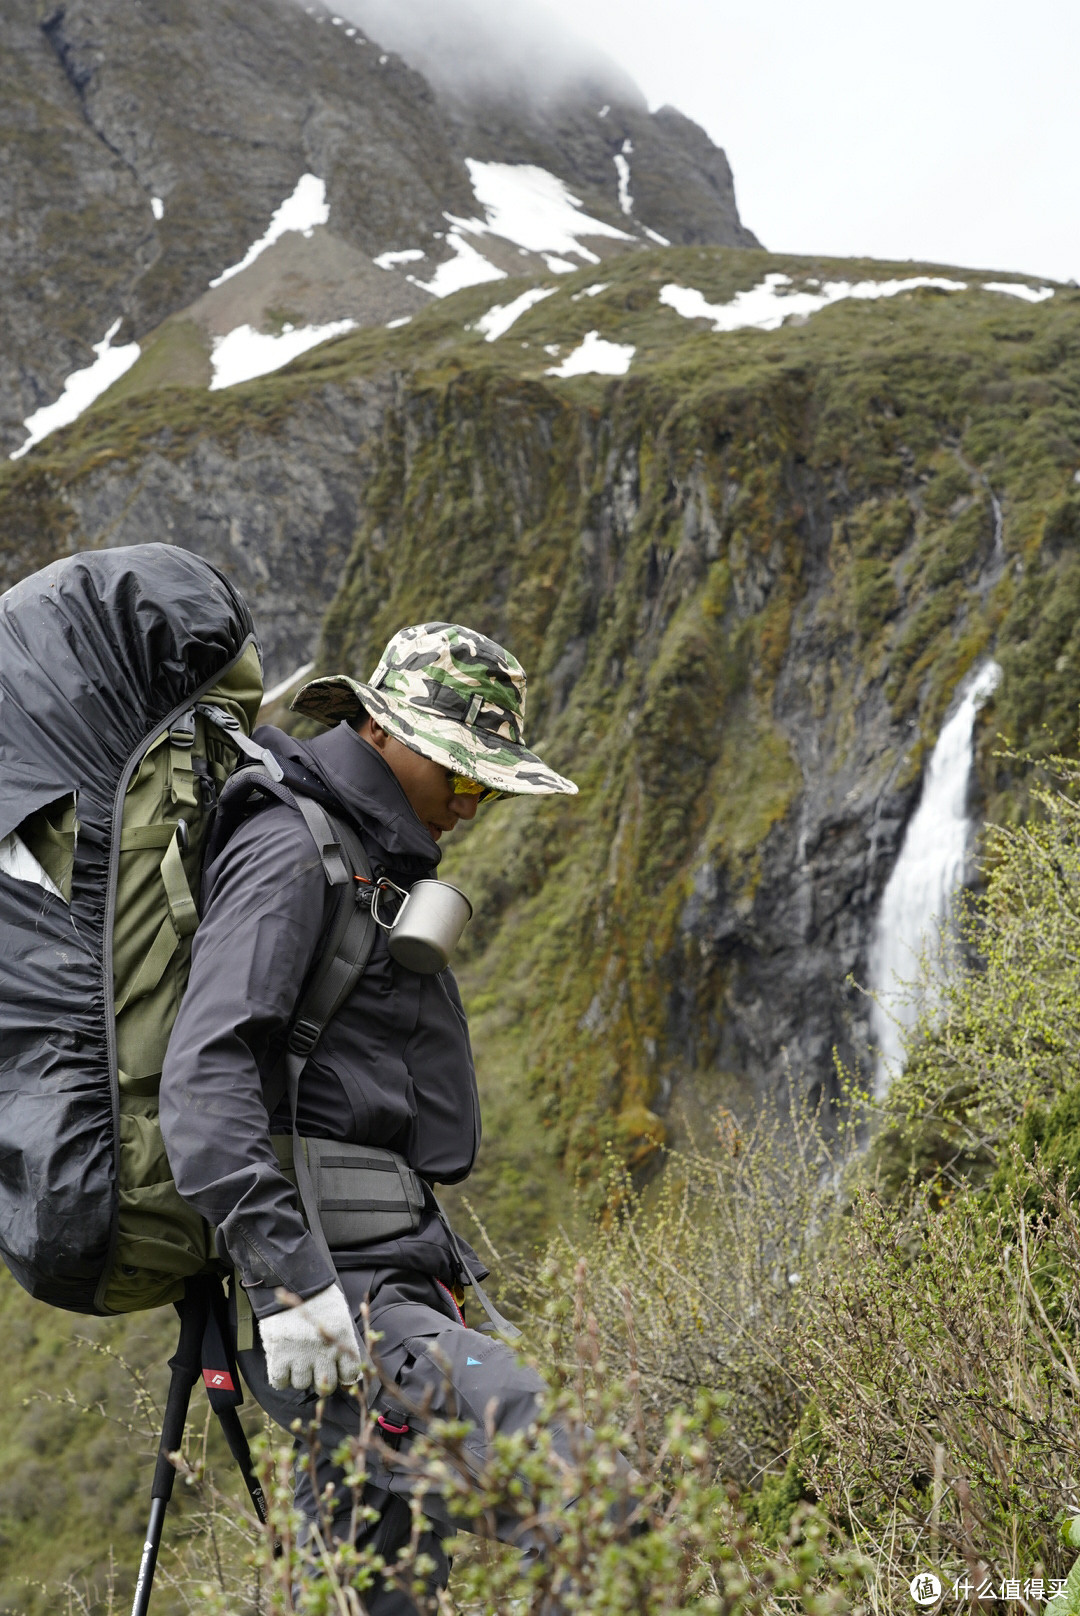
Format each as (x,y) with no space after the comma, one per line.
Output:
(95,652)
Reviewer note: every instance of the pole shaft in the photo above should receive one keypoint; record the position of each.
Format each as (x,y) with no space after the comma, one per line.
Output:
(238,1447)
(145,1581)
(185,1365)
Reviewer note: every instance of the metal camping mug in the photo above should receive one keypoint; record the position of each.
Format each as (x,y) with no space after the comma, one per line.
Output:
(427,926)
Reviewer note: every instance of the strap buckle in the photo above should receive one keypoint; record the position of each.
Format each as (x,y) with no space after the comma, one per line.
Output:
(182,729)
(304,1037)
(230,724)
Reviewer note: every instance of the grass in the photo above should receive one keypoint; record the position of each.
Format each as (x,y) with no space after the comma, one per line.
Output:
(176,356)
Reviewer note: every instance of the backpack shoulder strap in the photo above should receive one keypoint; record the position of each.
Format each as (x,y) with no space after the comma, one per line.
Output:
(245,791)
(342,959)
(251,787)
(340,966)
(351,936)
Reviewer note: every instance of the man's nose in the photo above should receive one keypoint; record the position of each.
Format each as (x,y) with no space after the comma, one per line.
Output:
(464,806)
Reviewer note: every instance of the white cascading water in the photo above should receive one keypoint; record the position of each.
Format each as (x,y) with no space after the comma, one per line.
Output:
(918,899)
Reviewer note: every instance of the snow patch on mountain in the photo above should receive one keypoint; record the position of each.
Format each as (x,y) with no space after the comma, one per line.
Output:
(282,689)
(622,169)
(302,211)
(391,260)
(522,204)
(1030,294)
(767,305)
(467,268)
(595,356)
(498,319)
(81,389)
(534,209)
(246,353)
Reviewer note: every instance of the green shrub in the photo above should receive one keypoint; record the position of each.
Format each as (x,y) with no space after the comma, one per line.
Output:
(875,597)
(701,1283)
(664,1534)
(945,1386)
(781,1497)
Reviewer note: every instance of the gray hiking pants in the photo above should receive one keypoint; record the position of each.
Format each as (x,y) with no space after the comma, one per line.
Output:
(437,1362)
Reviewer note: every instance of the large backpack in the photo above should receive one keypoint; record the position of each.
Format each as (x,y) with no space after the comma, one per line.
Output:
(130,682)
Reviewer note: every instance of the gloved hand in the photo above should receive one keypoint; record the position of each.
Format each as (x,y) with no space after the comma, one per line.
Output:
(315,1342)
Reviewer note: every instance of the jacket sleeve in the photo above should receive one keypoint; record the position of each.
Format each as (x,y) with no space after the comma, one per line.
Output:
(266,909)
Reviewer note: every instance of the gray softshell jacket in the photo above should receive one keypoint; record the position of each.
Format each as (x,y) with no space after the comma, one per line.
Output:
(393,1068)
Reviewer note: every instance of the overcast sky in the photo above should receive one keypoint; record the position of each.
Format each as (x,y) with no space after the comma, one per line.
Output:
(941,130)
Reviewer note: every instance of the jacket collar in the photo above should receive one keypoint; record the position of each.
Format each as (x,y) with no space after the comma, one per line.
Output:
(366,787)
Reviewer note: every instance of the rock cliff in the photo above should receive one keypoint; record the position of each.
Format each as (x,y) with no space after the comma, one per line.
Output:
(747,577)
(148,146)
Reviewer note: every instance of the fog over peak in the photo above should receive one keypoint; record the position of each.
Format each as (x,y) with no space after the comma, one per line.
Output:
(480,49)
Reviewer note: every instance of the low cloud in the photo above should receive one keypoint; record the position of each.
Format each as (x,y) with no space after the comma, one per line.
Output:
(480,49)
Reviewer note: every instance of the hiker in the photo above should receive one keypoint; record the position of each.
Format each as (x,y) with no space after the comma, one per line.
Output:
(435,733)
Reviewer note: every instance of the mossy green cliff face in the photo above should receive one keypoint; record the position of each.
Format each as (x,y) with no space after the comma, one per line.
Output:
(747,580)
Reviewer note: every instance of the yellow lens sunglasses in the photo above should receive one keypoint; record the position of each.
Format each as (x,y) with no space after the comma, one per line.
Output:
(464,787)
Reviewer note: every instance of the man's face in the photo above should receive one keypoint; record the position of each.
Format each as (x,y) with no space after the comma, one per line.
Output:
(426,784)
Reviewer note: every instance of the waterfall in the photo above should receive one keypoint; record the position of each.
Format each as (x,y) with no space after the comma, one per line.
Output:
(918,899)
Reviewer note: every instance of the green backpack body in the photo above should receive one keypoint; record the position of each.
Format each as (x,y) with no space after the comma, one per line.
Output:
(160,1240)
(174,782)
(130,682)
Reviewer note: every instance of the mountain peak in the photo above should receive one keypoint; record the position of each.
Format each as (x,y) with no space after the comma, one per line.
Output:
(148,148)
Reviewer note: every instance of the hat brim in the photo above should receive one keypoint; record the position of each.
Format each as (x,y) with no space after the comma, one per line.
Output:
(499,764)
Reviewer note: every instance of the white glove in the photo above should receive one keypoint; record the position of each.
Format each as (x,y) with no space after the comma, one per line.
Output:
(315,1342)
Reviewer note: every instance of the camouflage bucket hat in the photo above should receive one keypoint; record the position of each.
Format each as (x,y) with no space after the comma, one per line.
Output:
(450,694)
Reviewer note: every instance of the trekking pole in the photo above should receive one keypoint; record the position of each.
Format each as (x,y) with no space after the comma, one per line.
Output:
(186,1366)
(237,1440)
(221,1378)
